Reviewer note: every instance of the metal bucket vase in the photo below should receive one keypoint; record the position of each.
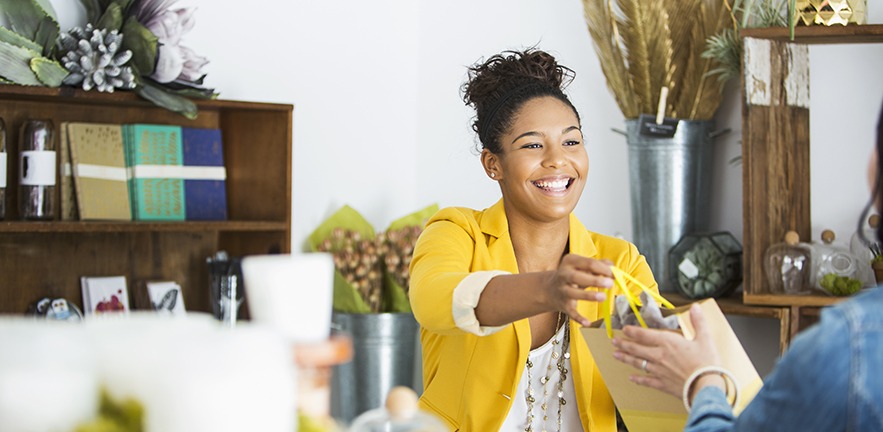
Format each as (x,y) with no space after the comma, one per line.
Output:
(670,186)
(384,356)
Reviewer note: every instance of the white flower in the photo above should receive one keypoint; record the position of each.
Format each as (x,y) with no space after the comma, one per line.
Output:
(175,61)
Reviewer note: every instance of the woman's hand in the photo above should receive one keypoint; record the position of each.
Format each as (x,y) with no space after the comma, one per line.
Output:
(670,358)
(569,282)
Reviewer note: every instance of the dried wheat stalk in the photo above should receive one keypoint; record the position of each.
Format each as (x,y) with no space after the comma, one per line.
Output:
(645,45)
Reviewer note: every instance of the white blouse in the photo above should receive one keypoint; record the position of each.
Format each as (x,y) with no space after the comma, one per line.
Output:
(541,357)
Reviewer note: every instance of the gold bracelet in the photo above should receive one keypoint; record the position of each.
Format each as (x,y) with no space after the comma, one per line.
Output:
(707,370)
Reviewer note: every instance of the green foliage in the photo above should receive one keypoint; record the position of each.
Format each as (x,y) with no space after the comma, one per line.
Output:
(726,47)
(116,416)
(142,43)
(27,48)
(840,285)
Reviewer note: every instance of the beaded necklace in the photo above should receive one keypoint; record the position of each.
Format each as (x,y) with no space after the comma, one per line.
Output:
(561,356)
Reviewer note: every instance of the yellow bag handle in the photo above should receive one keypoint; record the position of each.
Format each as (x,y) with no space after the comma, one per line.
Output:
(619,282)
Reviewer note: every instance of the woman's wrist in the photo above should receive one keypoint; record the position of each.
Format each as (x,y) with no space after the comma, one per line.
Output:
(707,380)
(710,376)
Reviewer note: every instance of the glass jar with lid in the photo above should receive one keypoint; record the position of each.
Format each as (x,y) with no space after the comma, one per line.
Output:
(865,245)
(836,270)
(788,266)
(400,414)
(3,170)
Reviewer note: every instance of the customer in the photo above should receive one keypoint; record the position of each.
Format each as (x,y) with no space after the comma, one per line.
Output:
(830,379)
(494,290)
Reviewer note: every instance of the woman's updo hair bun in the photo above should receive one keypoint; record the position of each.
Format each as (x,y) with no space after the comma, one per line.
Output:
(499,86)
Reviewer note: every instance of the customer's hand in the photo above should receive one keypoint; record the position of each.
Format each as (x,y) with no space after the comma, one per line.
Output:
(670,357)
(574,274)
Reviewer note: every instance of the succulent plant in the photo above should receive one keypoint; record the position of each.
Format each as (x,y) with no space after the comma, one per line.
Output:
(94,59)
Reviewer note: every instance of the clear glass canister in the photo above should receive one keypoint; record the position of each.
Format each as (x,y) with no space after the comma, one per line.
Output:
(3,171)
(865,245)
(400,414)
(788,266)
(836,270)
(37,170)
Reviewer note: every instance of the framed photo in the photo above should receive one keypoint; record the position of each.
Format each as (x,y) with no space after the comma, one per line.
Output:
(104,295)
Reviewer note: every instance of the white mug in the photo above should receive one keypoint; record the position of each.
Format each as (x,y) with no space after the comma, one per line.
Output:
(291,293)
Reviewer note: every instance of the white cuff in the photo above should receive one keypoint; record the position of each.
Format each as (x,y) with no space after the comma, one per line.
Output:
(466,296)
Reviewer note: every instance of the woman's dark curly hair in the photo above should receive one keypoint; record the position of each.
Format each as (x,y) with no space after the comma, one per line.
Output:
(498,87)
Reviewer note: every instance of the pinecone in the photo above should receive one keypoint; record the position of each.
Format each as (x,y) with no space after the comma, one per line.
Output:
(93,61)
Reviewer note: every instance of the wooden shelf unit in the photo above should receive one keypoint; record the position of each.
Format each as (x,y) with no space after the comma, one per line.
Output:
(47,258)
(733,305)
(776,146)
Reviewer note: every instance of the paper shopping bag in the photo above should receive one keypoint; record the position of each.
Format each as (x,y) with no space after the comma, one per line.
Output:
(647,409)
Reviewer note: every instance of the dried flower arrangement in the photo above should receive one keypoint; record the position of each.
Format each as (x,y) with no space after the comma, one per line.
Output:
(678,44)
(126,44)
(371,268)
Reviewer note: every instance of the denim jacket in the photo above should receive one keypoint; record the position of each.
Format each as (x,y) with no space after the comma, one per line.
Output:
(830,379)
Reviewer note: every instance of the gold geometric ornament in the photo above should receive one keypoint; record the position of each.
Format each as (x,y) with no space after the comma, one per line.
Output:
(830,12)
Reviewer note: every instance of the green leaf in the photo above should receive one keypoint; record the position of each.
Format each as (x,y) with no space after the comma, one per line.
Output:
(47,34)
(16,39)
(48,71)
(15,64)
(93,10)
(169,101)
(143,44)
(345,298)
(24,16)
(395,299)
(417,218)
(112,19)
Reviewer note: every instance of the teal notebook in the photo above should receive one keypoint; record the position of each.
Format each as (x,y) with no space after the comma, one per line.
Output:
(154,158)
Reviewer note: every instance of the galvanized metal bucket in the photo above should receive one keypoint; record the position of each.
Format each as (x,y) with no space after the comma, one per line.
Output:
(670,185)
(384,356)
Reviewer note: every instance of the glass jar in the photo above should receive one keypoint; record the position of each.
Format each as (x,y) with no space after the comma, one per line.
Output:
(836,270)
(400,414)
(37,169)
(706,264)
(788,266)
(866,246)
(2,169)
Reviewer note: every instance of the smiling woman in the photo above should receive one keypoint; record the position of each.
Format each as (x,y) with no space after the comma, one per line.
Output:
(498,292)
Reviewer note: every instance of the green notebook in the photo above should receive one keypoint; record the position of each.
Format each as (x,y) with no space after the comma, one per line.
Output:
(154,158)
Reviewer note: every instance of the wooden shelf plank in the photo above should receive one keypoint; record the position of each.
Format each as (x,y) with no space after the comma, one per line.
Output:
(733,305)
(105,226)
(866,33)
(791,300)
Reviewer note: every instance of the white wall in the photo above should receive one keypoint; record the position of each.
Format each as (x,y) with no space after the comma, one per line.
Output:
(379,123)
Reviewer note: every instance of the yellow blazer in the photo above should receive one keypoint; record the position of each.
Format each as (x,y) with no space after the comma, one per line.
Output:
(469,381)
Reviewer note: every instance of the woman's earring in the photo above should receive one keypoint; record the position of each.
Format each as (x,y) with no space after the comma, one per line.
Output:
(493,174)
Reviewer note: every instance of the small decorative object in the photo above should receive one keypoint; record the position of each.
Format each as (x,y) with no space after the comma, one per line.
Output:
(105,295)
(226,287)
(837,271)
(165,297)
(706,264)
(788,266)
(57,309)
(400,413)
(865,246)
(2,169)
(95,60)
(831,12)
(37,166)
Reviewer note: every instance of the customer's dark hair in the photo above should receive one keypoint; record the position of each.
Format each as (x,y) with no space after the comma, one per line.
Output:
(877,187)
(499,86)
